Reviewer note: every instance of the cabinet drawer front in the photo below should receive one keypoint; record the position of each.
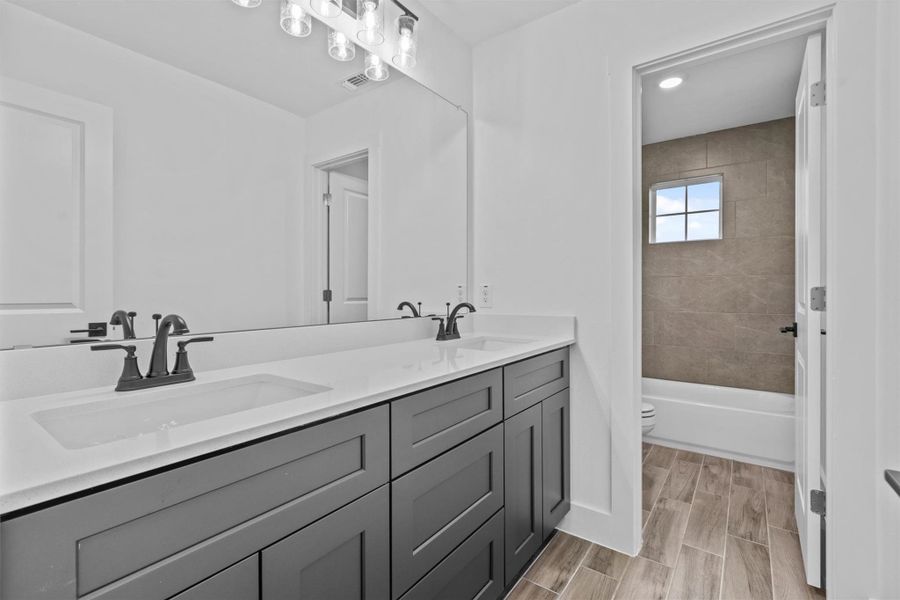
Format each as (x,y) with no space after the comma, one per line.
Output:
(556,460)
(238,582)
(522,484)
(474,571)
(528,382)
(440,504)
(157,536)
(431,422)
(343,556)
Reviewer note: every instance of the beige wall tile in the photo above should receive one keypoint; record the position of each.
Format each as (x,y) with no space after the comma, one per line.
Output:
(764,218)
(691,294)
(695,330)
(754,371)
(675,155)
(704,258)
(780,180)
(760,333)
(646,326)
(676,363)
(742,181)
(763,294)
(765,256)
(751,143)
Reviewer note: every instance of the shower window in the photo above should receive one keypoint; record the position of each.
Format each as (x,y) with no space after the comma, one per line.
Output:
(686,210)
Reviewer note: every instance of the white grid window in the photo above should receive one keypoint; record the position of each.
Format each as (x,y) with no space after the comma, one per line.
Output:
(686,210)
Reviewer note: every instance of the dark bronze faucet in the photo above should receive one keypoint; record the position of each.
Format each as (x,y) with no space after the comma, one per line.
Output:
(451,330)
(158,373)
(126,320)
(415,313)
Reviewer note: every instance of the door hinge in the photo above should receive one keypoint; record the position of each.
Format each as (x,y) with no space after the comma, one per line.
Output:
(817,94)
(817,298)
(817,502)
(326,295)
(326,199)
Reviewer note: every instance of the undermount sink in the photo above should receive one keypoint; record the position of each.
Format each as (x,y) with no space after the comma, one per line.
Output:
(490,344)
(141,413)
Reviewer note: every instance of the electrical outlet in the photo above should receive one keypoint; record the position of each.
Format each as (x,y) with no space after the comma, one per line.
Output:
(460,293)
(485,296)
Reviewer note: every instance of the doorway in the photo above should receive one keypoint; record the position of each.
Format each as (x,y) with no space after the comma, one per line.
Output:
(345,216)
(716,285)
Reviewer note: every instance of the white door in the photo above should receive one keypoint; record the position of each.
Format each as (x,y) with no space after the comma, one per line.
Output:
(56,214)
(809,274)
(349,248)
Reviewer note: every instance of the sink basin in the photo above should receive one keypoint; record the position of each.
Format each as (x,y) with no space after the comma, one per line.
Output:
(489,344)
(141,413)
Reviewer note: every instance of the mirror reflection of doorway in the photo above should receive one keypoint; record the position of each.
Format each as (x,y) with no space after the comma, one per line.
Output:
(347,240)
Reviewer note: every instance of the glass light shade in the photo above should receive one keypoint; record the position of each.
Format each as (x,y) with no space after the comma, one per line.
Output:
(247,3)
(376,70)
(295,20)
(327,8)
(370,21)
(340,47)
(405,55)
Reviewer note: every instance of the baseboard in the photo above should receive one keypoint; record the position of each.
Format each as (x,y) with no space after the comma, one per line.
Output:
(747,458)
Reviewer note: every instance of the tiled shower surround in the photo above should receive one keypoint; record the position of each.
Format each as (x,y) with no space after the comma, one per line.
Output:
(712,309)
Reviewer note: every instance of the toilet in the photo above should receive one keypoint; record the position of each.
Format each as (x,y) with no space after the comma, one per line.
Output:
(648,417)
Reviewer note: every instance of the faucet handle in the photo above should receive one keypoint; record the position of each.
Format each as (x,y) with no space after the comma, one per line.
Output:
(130,370)
(441,332)
(182,366)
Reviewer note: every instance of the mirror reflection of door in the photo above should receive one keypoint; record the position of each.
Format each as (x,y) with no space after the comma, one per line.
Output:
(348,243)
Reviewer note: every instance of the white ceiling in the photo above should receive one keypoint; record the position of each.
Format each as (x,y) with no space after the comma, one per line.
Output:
(241,48)
(477,20)
(751,87)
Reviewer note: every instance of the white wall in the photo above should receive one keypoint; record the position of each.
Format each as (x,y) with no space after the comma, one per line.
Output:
(417,181)
(185,148)
(556,230)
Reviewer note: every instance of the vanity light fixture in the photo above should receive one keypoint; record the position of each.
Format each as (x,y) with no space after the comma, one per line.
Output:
(370,19)
(295,20)
(247,3)
(327,8)
(407,44)
(376,70)
(340,47)
(670,82)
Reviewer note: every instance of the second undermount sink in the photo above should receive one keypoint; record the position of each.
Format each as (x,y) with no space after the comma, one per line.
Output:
(141,413)
(490,344)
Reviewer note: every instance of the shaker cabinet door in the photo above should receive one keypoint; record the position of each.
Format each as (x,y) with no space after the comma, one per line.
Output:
(344,556)
(556,460)
(523,489)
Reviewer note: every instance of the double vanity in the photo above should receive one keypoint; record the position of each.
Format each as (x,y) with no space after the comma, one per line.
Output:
(419,469)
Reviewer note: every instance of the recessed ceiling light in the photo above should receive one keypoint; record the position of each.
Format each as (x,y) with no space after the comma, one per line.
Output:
(670,82)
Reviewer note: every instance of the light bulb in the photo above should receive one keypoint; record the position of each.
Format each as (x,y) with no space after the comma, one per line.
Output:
(340,47)
(295,20)
(376,70)
(247,3)
(406,44)
(327,8)
(370,21)
(670,82)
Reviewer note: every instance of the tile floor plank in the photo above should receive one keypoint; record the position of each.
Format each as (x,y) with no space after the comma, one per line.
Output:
(697,576)
(747,571)
(780,505)
(652,481)
(665,530)
(694,457)
(708,523)
(590,585)
(606,561)
(747,475)
(715,476)
(555,566)
(778,475)
(661,457)
(681,481)
(645,514)
(644,580)
(525,590)
(747,514)
(789,581)
(645,450)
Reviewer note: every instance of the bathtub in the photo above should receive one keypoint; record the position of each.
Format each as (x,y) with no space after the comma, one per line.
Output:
(747,425)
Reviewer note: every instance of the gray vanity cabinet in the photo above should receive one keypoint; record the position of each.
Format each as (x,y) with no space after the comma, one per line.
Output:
(527,382)
(523,489)
(556,463)
(344,556)
(437,506)
(237,582)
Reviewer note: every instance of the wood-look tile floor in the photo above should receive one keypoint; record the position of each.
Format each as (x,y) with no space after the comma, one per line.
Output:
(714,529)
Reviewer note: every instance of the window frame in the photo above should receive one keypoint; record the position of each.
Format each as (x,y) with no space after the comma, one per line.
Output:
(686,182)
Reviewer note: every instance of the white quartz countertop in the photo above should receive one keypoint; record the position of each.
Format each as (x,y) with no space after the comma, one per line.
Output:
(35,467)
